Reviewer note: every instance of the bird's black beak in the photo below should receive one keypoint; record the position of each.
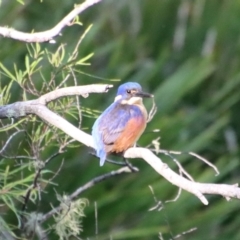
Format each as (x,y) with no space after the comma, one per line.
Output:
(144,95)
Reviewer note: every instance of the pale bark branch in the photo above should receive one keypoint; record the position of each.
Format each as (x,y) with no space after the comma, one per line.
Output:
(38,107)
(51,33)
(196,188)
(72,91)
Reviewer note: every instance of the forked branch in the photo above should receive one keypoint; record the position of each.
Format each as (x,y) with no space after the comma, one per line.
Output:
(38,107)
(51,33)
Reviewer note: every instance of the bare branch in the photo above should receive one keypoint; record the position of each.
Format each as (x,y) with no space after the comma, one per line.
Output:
(198,189)
(51,33)
(73,91)
(59,122)
(205,160)
(185,232)
(152,111)
(159,205)
(38,107)
(86,186)
(165,171)
(8,141)
(169,152)
(33,186)
(22,109)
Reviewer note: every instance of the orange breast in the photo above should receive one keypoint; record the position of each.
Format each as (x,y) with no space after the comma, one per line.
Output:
(133,130)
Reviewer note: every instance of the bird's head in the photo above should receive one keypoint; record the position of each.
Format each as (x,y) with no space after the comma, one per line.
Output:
(131,93)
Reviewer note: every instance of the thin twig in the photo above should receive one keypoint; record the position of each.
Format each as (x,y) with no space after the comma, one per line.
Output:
(33,186)
(152,111)
(175,198)
(52,157)
(85,187)
(181,168)
(189,153)
(57,172)
(204,160)
(185,232)
(63,81)
(158,205)
(9,139)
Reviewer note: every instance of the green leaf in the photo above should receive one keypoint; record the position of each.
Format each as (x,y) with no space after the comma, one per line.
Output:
(183,81)
(7,72)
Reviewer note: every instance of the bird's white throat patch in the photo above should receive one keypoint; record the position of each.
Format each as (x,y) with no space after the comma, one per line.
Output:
(132,101)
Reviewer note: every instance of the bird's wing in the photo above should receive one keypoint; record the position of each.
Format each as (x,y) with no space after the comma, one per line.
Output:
(113,123)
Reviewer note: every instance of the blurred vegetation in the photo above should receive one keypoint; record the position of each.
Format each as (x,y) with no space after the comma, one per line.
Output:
(184,52)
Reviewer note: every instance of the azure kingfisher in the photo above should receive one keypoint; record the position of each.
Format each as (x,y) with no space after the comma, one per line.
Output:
(122,123)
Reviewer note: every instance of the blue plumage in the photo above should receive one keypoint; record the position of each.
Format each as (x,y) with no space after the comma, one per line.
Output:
(122,123)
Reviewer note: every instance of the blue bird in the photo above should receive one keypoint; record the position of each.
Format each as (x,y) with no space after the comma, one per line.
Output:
(122,123)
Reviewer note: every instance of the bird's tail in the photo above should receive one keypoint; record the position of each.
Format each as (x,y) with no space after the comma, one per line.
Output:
(102,155)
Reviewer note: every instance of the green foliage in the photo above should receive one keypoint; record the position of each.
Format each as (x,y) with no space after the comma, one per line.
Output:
(22,183)
(13,189)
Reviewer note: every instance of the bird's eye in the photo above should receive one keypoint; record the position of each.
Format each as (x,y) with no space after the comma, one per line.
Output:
(128,91)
